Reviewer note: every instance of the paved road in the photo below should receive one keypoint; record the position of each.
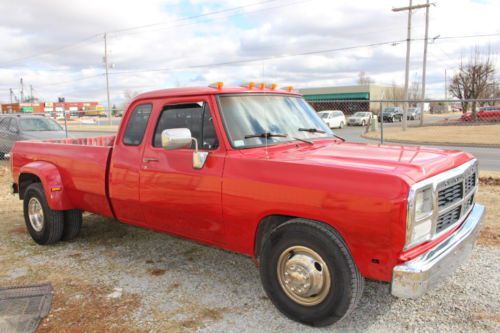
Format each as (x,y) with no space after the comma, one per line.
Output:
(489,158)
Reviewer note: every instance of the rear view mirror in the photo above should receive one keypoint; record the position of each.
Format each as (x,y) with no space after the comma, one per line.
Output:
(177,138)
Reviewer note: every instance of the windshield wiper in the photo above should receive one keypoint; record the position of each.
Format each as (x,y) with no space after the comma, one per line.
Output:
(303,140)
(266,135)
(311,130)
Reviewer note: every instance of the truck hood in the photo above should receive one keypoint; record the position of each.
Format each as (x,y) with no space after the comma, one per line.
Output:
(412,163)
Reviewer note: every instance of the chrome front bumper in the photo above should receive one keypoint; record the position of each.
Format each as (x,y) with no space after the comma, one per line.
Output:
(413,278)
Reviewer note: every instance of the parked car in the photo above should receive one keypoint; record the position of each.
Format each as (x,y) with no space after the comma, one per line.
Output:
(392,114)
(485,113)
(333,118)
(26,127)
(413,114)
(360,118)
(257,172)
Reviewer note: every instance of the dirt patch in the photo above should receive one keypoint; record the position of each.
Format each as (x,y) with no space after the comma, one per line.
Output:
(157,272)
(491,181)
(489,196)
(82,307)
(203,315)
(487,316)
(18,231)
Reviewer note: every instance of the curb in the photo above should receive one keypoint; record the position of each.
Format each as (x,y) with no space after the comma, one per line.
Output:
(435,143)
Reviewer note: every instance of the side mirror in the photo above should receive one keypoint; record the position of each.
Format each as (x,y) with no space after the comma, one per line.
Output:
(177,138)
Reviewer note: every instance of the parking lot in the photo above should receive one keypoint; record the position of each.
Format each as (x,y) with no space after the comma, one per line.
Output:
(119,278)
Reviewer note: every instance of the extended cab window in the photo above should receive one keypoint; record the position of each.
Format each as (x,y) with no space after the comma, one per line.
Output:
(137,125)
(195,116)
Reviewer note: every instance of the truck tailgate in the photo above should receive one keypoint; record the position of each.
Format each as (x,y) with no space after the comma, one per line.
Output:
(82,164)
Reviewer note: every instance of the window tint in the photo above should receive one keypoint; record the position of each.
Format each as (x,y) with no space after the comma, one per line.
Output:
(137,125)
(195,116)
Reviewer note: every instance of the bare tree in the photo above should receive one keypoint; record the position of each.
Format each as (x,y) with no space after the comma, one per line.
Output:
(394,92)
(473,79)
(128,95)
(364,79)
(414,92)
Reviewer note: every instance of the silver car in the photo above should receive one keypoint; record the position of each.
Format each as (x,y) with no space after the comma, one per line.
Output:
(26,127)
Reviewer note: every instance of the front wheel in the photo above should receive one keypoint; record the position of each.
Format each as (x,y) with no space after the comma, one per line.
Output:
(44,224)
(308,273)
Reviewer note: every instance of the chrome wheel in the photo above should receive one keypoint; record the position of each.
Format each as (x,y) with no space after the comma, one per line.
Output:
(303,275)
(35,213)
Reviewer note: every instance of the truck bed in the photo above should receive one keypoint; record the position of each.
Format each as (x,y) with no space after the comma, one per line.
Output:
(82,164)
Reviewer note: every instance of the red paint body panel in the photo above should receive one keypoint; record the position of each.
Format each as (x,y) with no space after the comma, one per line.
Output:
(359,189)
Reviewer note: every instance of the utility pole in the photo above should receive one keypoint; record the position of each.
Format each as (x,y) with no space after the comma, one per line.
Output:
(22,91)
(424,66)
(408,44)
(107,75)
(445,85)
(11,93)
(31,94)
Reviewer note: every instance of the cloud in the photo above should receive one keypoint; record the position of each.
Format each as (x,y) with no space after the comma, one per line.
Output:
(73,31)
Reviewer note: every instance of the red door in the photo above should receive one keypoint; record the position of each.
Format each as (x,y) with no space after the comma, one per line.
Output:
(174,196)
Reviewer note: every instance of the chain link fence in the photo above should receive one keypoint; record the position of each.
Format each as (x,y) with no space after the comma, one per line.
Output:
(446,122)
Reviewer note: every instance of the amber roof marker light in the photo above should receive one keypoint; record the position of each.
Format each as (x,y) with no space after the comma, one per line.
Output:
(217,85)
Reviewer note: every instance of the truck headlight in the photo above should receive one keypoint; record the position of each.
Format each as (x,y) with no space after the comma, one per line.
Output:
(419,219)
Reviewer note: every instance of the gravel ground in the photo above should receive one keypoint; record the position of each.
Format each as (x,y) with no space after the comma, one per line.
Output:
(118,278)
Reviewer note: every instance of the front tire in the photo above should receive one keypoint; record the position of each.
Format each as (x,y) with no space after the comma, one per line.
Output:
(308,273)
(44,224)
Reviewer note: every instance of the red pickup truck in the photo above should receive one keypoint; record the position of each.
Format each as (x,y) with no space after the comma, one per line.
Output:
(256,171)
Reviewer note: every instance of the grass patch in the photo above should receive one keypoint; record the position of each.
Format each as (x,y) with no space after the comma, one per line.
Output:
(488,135)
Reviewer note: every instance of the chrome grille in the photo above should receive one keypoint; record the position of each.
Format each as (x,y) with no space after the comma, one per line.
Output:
(447,219)
(470,182)
(450,195)
(455,197)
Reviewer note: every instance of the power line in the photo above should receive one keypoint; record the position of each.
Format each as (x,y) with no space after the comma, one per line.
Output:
(35,55)
(49,51)
(233,62)
(187,18)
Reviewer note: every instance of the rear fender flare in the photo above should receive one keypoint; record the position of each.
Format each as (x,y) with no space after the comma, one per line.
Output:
(52,183)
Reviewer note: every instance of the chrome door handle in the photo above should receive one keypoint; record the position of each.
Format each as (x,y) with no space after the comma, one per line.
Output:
(149,159)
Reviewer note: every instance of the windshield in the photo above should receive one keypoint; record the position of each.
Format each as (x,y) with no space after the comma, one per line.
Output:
(39,124)
(360,114)
(324,114)
(246,115)
(389,110)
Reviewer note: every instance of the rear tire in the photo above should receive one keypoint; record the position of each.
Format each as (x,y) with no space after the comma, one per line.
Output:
(341,124)
(300,253)
(363,123)
(44,224)
(72,224)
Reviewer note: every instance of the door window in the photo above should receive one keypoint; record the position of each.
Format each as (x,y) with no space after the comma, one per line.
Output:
(4,124)
(137,124)
(194,116)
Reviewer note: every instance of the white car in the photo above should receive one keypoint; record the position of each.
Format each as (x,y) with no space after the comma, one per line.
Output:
(333,118)
(360,118)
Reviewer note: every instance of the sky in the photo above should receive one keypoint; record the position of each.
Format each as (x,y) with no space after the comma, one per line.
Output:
(57,46)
